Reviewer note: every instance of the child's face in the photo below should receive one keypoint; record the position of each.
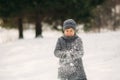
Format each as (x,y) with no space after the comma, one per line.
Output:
(69,32)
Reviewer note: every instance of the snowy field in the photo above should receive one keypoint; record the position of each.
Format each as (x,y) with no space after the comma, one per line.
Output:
(33,59)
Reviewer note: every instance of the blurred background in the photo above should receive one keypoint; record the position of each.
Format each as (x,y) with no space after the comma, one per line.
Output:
(92,15)
(29,30)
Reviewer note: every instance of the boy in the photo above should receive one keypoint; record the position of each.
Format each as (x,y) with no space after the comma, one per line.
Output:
(69,49)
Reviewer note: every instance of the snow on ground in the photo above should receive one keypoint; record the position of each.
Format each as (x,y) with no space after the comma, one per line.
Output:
(7,35)
(33,59)
(102,56)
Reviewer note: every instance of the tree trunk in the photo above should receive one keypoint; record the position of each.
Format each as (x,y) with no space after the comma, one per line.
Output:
(115,16)
(38,26)
(20,27)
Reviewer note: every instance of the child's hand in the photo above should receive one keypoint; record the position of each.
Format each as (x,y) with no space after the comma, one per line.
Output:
(75,55)
(68,54)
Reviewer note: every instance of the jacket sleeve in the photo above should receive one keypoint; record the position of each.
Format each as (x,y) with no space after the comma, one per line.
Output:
(58,52)
(78,52)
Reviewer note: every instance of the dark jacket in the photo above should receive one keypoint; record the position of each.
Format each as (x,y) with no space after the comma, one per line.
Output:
(75,45)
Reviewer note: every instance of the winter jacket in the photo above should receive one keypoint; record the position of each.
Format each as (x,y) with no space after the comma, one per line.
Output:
(75,46)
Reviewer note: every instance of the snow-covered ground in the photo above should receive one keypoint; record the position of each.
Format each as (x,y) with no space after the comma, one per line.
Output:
(33,59)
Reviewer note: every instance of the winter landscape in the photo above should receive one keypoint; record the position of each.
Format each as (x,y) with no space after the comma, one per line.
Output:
(29,30)
(33,58)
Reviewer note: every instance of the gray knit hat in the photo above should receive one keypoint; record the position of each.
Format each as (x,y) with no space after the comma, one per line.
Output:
(69,23)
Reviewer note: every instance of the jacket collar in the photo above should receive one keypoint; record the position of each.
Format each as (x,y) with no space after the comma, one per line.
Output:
(70,38)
